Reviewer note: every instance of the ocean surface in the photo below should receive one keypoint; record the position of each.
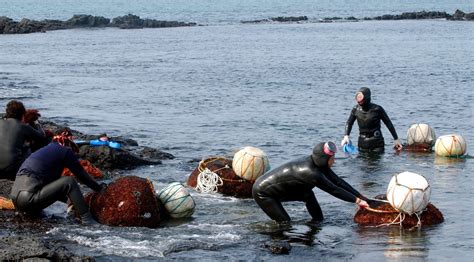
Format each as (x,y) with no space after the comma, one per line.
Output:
(209,90)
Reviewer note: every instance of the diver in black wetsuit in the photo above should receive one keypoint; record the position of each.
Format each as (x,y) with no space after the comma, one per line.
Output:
(13,135)
(39,184)
(295,181)
(368,117)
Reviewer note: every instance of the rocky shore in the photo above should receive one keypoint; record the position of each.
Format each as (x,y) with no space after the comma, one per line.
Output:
(25,237)
(457,16)
(26,26)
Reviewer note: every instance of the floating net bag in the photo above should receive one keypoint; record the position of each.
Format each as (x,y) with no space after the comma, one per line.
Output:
(408,193)
(420,134)
(127,201)
(177,200)
(215,175)
(249,163)
(450,145)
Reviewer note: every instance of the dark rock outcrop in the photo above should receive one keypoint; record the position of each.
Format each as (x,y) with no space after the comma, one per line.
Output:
(130,155)
(25,26)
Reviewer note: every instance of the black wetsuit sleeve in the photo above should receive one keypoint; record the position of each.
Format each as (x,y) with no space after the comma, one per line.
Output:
(342,184)
(75,167)
(350,121)
(388,123)
(339,192)
(35,135)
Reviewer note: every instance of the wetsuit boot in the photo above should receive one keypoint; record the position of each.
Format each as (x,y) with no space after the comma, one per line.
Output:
(88,220)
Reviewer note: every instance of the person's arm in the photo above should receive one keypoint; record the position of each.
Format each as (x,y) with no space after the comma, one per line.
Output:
(386,120)
(350,121)
(326,185)
(335,179)
(35,135)
(72,162)
(349,124)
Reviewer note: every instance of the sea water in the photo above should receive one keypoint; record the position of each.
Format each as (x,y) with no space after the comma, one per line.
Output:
(209,90)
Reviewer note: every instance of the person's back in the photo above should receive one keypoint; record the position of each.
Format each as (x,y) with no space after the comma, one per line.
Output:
(13,135)
(289,179)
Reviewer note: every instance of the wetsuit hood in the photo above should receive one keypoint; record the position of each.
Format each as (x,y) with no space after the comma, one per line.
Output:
(365,98)
(322,152)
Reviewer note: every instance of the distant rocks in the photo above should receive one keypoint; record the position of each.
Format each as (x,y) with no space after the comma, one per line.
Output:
(457,16)
(25,26)
(281,19)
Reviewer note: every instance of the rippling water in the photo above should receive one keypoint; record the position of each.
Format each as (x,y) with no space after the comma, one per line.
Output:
(202,91)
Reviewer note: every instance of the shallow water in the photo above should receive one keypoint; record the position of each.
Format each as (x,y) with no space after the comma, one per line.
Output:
(204,91)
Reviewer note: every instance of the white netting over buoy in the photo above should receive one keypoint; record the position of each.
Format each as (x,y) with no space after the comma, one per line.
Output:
(208,181)
(420,134)
(249,163)
(450,145)
(408,193)
(177,200)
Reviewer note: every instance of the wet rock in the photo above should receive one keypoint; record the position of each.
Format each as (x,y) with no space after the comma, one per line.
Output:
(25,26)
(133,22)
(280,19)
(87,21)
(129,156)
(279,247)
(16,248)
(289,18)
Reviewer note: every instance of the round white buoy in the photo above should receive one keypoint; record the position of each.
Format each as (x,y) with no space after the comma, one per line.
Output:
(450,145)
(420,134)
(409,193)
(249,163)
(177,200)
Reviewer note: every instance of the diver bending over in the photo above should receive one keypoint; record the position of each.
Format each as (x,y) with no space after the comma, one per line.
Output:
(295,181)
(368,117)
(39,183)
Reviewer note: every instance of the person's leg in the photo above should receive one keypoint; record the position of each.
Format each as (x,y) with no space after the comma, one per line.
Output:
(273,208)
(56,191)
(313,207)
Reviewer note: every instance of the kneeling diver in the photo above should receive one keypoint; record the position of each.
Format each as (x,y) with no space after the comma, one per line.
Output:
(295,181)
(39,184)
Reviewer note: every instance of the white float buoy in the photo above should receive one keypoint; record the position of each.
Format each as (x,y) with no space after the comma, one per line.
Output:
(409,193)
(177,200)
(450,145)
(249,163)
(420,134)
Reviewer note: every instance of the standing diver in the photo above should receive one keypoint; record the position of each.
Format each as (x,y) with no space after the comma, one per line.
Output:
(294,181)
(368,117)
(39,183)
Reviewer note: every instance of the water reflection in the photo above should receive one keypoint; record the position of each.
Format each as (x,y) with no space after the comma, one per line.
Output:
(290,233)
(396,242)
(406,244)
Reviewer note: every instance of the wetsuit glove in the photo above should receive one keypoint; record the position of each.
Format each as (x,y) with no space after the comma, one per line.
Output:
(397,145)
(361,203)
(345,140)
